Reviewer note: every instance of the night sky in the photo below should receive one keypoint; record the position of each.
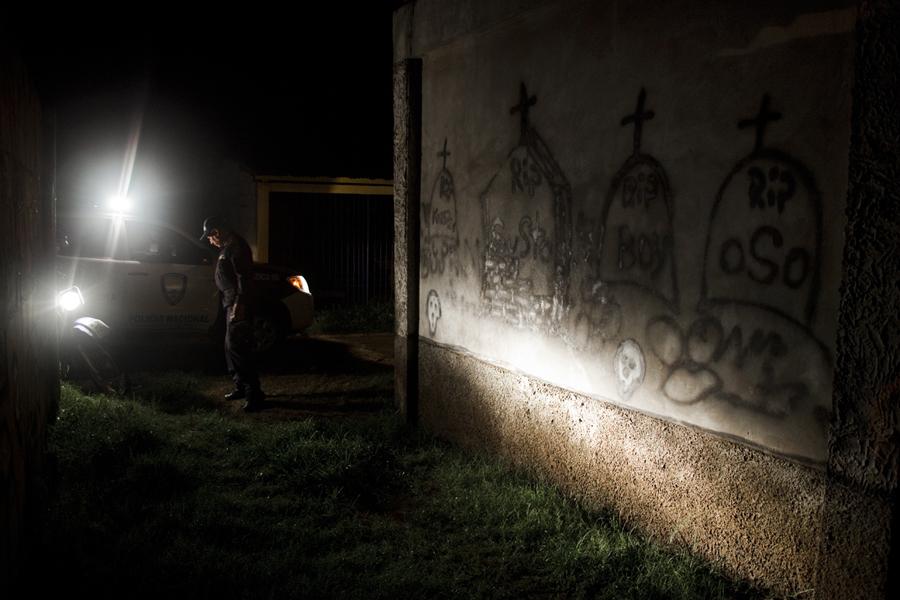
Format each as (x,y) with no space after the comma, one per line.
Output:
(304,94)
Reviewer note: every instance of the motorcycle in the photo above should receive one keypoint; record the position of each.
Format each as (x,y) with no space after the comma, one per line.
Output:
(82,348)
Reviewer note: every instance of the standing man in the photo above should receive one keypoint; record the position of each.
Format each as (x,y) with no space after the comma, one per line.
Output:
(234,278)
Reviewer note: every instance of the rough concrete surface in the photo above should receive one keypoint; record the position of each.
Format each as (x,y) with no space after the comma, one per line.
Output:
(867,392)
(861,512)
(854,560)
(676,483)
(407,169)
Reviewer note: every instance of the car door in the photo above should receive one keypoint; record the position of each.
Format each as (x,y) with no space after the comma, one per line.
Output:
(89,255)
(169,282)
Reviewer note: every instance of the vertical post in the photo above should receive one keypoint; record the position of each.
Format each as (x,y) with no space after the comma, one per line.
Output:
(367,270)
(407,171)
(29,374)
(262,222)
(861,504)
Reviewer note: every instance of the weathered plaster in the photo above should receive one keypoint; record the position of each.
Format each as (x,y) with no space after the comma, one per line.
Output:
(864,445)
(613,203)
(861,508)
(678,484)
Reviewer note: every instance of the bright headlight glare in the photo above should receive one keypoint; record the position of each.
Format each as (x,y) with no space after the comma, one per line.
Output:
(299,282)
(69,299)
(120,204)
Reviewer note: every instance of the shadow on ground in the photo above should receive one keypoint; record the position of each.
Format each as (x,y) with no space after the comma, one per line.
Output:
(306,376)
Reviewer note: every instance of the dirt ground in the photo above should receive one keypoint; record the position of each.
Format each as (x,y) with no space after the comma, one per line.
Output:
(377,347)
(326,375)
(308,375)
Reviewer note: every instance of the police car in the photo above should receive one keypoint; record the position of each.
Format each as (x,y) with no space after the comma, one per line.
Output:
(145,278)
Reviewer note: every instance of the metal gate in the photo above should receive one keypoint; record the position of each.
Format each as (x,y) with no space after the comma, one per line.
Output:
(341,242)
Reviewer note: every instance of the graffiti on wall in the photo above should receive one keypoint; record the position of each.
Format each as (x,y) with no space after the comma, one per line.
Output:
(440,236)
(630,368)
(607,285)
(750,343)
(764,242)
(596,318)
(527,228)
(631,245)
(636,242)
(433,311)
(747,367)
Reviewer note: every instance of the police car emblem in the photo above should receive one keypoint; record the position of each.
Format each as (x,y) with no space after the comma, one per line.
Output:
(174,287)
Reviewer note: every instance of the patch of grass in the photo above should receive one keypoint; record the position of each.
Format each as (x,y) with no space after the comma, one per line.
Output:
(368,318)
(155,502)
(172,392)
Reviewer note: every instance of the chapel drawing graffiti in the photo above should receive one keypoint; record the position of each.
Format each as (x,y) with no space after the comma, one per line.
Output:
(527,228)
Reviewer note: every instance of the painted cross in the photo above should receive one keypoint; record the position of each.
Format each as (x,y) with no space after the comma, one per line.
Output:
(761,121)
(444,154)
(638,118)
(522,107)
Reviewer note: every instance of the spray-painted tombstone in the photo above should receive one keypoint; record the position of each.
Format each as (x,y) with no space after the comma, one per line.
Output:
(636,237)
(765,233)
(439,231)
(526,212)
(753,345)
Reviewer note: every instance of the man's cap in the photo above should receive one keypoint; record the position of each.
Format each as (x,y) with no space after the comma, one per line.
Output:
(210,225)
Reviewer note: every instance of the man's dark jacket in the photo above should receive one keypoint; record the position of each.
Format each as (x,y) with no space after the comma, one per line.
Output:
(234,273)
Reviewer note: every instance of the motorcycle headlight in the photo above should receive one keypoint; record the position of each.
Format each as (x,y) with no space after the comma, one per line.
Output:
(69,299)
(299,282)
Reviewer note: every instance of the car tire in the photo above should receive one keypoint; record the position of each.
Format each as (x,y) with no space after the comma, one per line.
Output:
(268,332)
(103,370)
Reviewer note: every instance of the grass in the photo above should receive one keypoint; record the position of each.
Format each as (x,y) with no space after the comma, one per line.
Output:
(155,501)
(373,317)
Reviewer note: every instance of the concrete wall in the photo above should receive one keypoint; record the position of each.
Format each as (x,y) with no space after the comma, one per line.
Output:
(29,384)
(685,263)
(632,230)
(236,196)
(861,507)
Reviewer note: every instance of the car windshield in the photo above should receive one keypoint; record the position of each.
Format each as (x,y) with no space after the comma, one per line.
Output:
(89,238)
(149,242)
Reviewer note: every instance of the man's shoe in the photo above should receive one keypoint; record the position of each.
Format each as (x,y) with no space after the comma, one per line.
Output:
(236,394)
(254,402)
(251,407)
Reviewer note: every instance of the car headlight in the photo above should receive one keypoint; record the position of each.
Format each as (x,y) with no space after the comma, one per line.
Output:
(299,282)
(69,299)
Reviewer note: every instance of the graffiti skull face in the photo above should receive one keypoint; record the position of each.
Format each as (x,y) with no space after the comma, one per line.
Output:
(433,311)
(629,366)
